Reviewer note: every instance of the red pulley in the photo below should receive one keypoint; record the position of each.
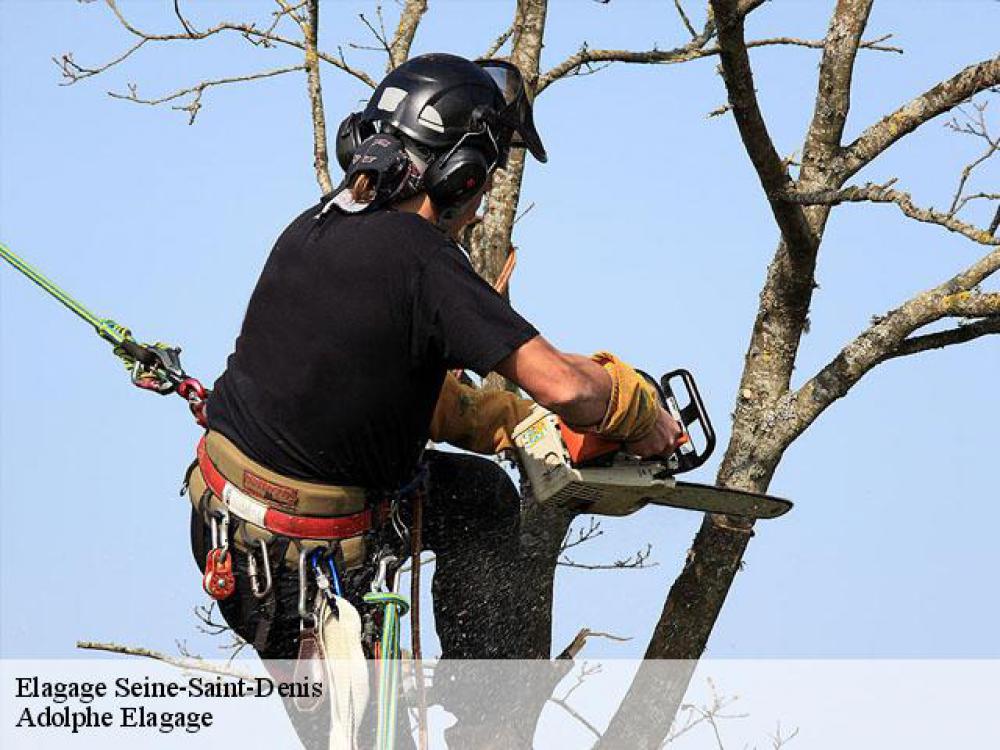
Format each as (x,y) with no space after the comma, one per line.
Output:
(219,581)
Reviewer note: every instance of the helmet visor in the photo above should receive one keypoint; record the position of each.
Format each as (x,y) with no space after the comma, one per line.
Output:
(517,114)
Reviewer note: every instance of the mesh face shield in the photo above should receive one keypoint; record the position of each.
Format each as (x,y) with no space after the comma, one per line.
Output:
(516,116)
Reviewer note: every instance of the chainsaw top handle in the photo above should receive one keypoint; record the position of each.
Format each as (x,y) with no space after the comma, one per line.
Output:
(687,456)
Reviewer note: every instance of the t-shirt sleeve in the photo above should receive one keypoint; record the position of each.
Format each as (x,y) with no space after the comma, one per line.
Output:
(461,319)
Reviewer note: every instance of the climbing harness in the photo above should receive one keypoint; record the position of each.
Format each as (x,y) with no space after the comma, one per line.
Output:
(154,367)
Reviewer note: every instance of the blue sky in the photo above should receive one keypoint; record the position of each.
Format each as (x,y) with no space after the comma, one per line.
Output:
(650,237)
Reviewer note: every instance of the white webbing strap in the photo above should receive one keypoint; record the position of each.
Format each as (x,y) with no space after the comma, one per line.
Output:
(346,672)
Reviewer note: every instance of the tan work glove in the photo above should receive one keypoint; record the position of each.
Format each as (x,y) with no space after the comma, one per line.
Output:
(634,405)
(477,420)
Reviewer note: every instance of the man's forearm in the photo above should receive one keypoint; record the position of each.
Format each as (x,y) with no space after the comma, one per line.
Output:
(594,393)
(574,387)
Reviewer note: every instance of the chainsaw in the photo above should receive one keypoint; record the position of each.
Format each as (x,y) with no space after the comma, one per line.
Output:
(590,474)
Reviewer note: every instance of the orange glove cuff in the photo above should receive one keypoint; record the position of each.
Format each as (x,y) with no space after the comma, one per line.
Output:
(634,404)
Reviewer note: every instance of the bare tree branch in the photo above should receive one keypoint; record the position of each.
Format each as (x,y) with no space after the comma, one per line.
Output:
(779,739)
(180,17)
(793,41)
(684,18)
(74,72)
(580,640)
(209,625)
(490,239)
(710,714)
(379,33)
(953,298)
(581,63)
(292,11)
(182,662)
(409,20)
(975,197)
(833,91)
(738,77)
(958,335)
(637,561)
(933,102)
(586,57)
(580,535)
(321,157)
(886,194)
(194,106)
(576,715)
(974,125)
(499,42)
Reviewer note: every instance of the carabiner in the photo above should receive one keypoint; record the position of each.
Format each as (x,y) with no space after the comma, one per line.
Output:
(384,561)
(329,583)
(220,530)
(196,396)
(255,586)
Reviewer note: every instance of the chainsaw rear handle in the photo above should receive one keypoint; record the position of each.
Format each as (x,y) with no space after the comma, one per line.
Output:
(688,456)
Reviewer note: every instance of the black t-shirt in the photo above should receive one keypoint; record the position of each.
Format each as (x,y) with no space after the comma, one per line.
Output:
(347,337)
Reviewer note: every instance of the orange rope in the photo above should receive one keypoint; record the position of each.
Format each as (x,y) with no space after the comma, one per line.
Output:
(505,273)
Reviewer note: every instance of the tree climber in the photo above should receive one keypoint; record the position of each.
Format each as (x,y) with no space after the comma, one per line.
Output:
(341,374)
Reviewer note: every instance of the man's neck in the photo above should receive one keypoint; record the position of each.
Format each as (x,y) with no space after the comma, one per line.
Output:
(421,205)
(424,207)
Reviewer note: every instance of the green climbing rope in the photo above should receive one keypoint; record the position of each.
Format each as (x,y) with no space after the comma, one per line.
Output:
(105,327)
(154,367)
(394,607)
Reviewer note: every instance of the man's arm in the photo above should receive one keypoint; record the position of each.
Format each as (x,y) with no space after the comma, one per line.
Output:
(573,386)
(581,391)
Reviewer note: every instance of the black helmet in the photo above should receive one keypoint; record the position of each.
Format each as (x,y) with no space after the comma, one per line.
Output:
(456,119)
(436,100)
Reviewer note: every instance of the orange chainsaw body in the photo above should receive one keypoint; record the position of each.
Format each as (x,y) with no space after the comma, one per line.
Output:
(584,447)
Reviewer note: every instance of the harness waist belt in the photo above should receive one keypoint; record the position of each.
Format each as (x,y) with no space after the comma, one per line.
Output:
(299,497)
(259,513)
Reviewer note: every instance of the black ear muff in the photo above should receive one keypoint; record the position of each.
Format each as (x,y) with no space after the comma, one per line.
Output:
(351,134)
(454,178)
